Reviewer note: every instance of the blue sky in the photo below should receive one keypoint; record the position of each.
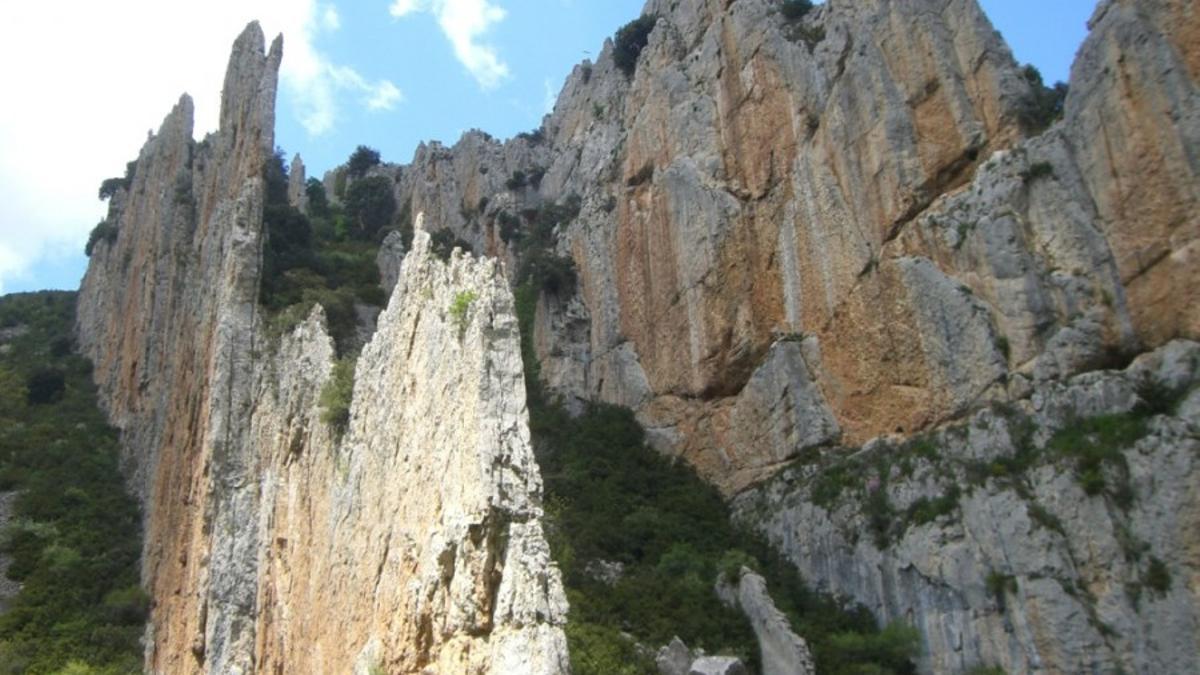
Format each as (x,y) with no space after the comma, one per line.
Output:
(384,73)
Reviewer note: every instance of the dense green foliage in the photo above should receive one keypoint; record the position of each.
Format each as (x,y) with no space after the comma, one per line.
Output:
(535,240)
(320,258)
(75,536)
(110,186)
(370,205)
(318,201)
(103,231)
(610,498)
(630,40)
(361,161)
(1044,105)
(443,242)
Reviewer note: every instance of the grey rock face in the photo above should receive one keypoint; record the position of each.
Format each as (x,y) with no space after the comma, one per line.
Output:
(417,534)
(390,261)
(1022,566)
(782,651)
(718,665)
(858,182)
(174,360)
(674,658)
(297,184)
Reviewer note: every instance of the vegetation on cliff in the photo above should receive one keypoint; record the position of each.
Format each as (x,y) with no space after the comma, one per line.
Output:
(613,503)
(74,538)
(326,256)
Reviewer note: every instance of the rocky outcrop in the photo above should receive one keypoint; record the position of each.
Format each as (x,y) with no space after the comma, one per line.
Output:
(861,183)
(390,260)
(781,650)
(1057,535)
(417,533)
(421,527)
(297,191)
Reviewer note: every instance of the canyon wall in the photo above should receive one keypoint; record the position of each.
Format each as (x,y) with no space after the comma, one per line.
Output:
(411,542)
(990,537)
(802,236)
(792,238)
(866,183)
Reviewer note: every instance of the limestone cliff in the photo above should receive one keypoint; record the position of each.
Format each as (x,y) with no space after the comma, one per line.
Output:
(992,539)
(411,543)
(805,234)
(792,237)
(865,178)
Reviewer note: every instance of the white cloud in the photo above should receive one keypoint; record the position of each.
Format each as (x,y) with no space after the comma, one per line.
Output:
(314,82)
(330,18)
(82,86)
(464,22)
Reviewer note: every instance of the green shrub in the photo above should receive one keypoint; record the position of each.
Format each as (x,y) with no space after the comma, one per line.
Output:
(103,231)
(318,201)
(275,178)
(361,161)
(892,648)
(110,186)
(14,395)
(370,204)
(1043,105)
(510,226)
(601,650)
(925,510)
(516,181)
(127,606)
(45,386)
(1041,516)
(337,395)
(999,585)
(732,562)
(880,516)
(794,10)
(459,308)
(1097,442)
(1157,577)
(1036,171)
(629,42)
(553,274)
(443,242)
(1156,398)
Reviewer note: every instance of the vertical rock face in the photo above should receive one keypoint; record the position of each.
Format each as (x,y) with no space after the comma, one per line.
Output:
(168,315)
(859,183)
(420,530)
(1025,566)
(417,535)
(1134,121)
(782,651)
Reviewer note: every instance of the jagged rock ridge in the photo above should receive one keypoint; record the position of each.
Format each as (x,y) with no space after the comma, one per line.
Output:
(862,183)
(412,543)
(794,235)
